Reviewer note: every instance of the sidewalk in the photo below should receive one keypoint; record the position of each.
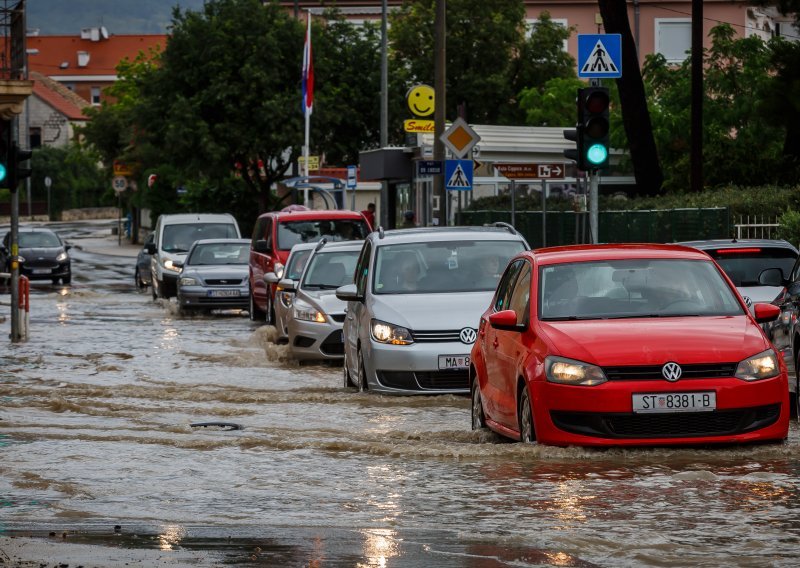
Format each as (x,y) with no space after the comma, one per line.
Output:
(110,245)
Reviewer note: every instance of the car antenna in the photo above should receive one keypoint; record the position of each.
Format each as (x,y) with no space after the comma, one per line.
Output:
(381,234)
(320,244)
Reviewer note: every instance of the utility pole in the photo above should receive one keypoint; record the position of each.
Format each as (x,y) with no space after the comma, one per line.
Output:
(440,62)
(384,212)
(697,97)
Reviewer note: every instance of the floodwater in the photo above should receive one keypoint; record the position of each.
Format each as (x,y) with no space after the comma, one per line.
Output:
(95,432)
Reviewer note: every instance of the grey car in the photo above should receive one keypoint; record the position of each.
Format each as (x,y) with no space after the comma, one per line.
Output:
(141,275)
(315,325)
(298,256)
(214,275)
(413,310)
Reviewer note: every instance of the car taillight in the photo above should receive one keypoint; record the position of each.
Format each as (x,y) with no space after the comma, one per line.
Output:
(738,251)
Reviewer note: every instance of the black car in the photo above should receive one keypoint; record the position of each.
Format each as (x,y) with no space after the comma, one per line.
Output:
(42,255)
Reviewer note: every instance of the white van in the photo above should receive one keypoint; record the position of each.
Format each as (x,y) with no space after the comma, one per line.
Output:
(174,234)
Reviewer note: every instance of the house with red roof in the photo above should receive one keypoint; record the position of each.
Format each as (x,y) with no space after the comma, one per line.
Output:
(51,113)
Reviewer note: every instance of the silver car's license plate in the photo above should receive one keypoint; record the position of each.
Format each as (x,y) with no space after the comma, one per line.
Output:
(453,362)
(223,293)
(705,401)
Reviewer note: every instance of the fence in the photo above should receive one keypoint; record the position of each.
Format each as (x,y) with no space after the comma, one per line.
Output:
(645,226)
(757,227)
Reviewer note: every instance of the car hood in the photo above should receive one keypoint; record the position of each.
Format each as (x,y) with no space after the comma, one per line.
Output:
(727,339)
(236,272)
(431,311)
(41,252)
(325,300)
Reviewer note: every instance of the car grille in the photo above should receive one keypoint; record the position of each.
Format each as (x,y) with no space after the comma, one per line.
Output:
(302,341)
(667,425)
(333,344)
(653,372)
(223,282)
(425,380)
(436,336)
(338,318)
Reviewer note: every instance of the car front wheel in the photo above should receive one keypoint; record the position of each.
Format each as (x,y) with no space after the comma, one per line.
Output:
(478,418)
(527,433)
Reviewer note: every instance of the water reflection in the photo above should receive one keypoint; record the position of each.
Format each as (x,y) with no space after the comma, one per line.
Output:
(380,545)
(171,537)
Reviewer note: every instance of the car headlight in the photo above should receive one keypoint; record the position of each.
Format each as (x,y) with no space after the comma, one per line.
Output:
(62,256)
(278,270)
(305,312)
(169,265)
(570,372)
(188,281)
(761,366)
(286,299)
(383,332)
(20,259)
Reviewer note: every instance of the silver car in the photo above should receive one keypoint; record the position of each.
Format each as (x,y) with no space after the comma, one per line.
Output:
(315,328)
(284,299)
(214,275)
(413,310)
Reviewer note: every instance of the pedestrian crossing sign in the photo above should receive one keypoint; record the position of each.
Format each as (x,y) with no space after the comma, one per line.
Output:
(458,175)
(599,56)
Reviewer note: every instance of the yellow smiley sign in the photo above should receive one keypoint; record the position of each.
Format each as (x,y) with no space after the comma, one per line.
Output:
(421,100)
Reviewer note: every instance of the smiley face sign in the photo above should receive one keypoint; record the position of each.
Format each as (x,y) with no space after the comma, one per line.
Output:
(421,100)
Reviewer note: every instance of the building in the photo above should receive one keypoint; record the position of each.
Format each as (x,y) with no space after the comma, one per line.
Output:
(51,114)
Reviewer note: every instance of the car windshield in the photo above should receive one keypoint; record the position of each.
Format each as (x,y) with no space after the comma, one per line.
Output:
(38,240)
(296,264)
(329,270)
(743,265)
(291,233)
(634,289)
(441,267)
(179,237)
(219,253)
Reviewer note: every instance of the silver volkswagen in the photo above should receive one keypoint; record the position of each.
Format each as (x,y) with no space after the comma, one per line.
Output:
(413,311)
(315,327)
(284,300)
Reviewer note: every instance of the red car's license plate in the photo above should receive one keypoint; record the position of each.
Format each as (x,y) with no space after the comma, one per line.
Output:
(675,402)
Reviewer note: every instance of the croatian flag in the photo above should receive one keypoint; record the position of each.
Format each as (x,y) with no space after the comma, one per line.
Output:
(308,73)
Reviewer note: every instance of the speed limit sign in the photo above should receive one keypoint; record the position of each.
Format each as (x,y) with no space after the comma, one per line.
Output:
(120,184)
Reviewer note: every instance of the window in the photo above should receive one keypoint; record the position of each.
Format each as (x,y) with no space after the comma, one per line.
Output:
(35,137)
(362,269)
(673,38)
(520,297)
(506,286)
(95,95)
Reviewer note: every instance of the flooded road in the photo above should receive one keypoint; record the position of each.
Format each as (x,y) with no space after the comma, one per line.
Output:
(96,414)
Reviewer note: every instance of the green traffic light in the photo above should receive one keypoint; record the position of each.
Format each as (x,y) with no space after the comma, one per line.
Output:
(596,154)
(3,172)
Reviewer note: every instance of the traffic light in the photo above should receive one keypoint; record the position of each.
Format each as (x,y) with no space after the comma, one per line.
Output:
(5,153)
(574,153)
(16,172)
(594,126)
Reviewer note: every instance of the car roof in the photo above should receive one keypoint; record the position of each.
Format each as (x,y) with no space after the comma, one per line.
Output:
(174,218)
(221,241)
(342,245)
(303,246)
(587,253)
(739,243)
(313,215)
(35,230)
(426,234)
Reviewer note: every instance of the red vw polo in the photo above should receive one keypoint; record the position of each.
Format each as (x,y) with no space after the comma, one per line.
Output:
(623,345)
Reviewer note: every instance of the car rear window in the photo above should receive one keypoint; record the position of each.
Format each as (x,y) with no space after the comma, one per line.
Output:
(743,265)
(291,233)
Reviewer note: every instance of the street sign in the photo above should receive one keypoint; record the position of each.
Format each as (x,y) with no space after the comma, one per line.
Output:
(119,184)
(122,169)
(599,56)
(429,168)
(48,182)
(531,171)
(351,177)
(460,137)
(458,175)
(418,125)
(313,162)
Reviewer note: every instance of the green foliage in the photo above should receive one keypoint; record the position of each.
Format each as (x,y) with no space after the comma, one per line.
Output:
(790,226)
(553,105)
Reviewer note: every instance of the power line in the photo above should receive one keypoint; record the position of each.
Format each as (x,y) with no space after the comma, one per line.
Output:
(746,27)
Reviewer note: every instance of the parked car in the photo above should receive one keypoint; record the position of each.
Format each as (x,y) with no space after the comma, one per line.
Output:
(744,260)
(43,255)
(413,310)
(625,345)
(274,235)
(214,275)
(174,235)
(141,275)
(315,326)
(284,299)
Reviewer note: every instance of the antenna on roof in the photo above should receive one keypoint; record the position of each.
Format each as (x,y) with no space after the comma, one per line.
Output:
(381,234)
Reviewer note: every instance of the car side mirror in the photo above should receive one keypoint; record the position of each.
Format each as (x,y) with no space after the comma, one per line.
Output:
(765,313)
(287,284)
(150,248)
(772,277)
(349,293)
(271,278)
(67,247)
(177,263)
(262,246)
(505,320)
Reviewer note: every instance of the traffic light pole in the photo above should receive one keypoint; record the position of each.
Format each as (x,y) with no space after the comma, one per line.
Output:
(594,208)
(16,330)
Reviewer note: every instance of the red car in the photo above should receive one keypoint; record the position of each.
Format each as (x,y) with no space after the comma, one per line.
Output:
(274,235)
(625,345)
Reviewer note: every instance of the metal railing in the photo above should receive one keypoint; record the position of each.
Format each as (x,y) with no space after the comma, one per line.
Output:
(756,227)
(24,303)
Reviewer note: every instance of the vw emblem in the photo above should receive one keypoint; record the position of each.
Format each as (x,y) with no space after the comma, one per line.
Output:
(748,302)
(671,371)
(468,335)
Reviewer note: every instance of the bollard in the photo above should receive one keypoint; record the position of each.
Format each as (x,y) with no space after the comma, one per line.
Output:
(24,306)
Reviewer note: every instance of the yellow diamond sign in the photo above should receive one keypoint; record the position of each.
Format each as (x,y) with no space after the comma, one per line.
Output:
(460,138)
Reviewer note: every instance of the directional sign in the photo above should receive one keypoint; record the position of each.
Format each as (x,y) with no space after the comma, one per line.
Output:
(429,168)
(599,55)
(460,138)
(531,171)
(351,177)
(458,175)
(119,184)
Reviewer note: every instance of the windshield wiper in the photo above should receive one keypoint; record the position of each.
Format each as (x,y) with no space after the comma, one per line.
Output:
(572,318)
(653,315)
